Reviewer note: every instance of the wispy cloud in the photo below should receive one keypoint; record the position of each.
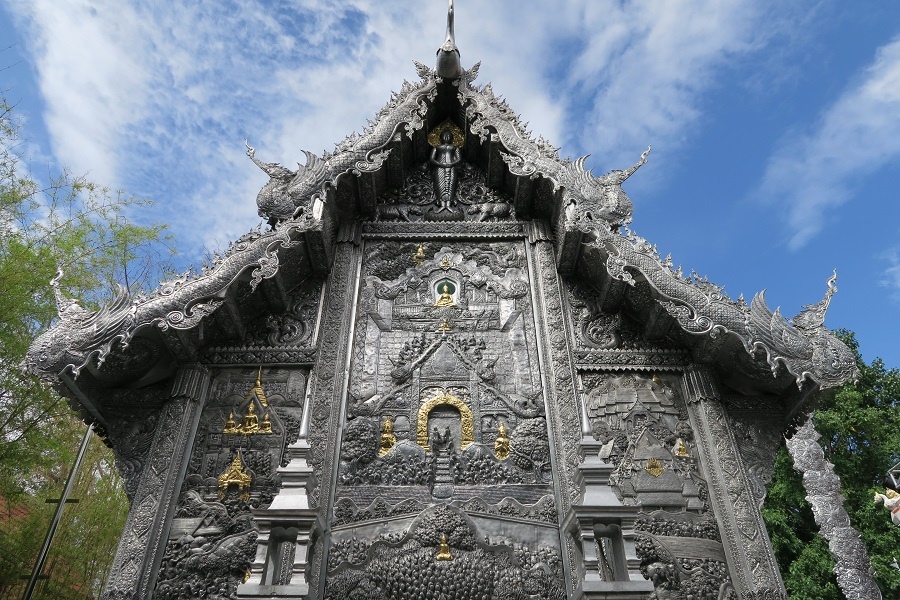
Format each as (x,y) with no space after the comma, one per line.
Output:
(891,275)
(813,173)
(157,97)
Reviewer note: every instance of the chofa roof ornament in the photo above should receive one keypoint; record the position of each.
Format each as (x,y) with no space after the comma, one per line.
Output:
(813,315)
(448,65)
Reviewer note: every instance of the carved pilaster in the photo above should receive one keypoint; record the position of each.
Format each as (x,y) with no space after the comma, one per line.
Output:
(610,568)
(751,561)
(558,377)
(143,540)
(328,395)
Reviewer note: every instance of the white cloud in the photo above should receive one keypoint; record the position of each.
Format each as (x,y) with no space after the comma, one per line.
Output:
(814,173)
(891,275)
(158,97)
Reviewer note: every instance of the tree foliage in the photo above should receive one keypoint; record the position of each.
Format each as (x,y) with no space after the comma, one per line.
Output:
(860,429)
(89,232)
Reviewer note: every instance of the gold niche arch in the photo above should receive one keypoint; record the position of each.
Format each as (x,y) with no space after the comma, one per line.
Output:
(465,413)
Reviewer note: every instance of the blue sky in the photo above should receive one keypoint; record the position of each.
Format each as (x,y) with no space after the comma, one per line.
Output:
(775,125)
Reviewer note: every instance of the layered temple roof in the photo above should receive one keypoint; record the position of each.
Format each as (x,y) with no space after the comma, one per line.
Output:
(141,339)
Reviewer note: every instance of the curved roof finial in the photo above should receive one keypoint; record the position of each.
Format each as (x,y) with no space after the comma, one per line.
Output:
(448,65)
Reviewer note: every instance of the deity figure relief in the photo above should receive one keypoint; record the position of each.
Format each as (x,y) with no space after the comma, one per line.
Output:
(446,297)
(388,439)
(250,422)
(445,157)
(501,444)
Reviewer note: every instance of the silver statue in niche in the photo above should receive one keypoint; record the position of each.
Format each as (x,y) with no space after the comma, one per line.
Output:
(445,156)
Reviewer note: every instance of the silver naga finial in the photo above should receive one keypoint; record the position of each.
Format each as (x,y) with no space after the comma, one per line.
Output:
(813,315)
(448,65)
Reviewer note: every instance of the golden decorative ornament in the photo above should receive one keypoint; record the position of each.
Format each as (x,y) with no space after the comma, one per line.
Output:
(445,299)
(444,549)
(459,137)
(250,422)
(258,391)
(235,475)
(231,426)
(266,426)
(445,263)
(465,413)
(388,439)
(654,467)
(444,326)
(681,450)
(419,256)
(501,444)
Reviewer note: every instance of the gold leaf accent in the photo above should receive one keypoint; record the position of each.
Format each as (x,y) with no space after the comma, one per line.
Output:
(654,467)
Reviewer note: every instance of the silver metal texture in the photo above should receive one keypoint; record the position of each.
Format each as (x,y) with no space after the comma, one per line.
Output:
(823,491)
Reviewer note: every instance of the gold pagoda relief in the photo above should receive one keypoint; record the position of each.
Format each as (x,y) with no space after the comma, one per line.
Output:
(236,475)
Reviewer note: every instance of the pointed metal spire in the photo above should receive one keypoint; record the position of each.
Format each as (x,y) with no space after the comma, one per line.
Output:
(448,65)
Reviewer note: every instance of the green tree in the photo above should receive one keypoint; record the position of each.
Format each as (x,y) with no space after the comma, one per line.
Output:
(89,232)
(860,429)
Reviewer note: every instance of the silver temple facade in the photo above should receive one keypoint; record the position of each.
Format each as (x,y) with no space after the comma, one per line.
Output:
(446,370)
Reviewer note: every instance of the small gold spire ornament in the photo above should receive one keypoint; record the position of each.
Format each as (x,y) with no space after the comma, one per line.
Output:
(257,389)
(419,256)
(444,327)
(654,467)
(444,549)
(501,444)
(388,439)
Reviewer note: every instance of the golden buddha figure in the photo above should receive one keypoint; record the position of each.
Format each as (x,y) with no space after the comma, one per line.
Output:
(231,425)
(250,422)
(681,450)
(388,439)
(419,256)
(446,298)
(444,549)
(266,425)
(501,444)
